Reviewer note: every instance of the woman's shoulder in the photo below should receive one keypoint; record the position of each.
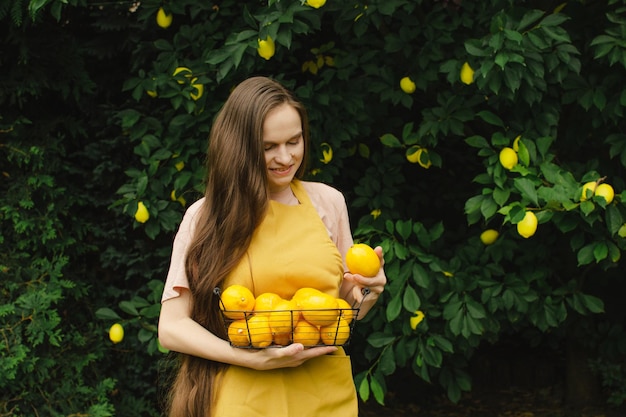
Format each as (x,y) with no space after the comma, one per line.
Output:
(320,188)
(189,217)
(323,193)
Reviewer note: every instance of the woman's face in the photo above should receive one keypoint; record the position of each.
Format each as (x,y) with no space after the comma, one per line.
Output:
(284,146)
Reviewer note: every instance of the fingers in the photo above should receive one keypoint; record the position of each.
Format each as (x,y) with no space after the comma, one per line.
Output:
(293,355)
(379,252)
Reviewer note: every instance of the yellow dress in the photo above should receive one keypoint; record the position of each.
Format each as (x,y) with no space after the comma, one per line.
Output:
(291,249)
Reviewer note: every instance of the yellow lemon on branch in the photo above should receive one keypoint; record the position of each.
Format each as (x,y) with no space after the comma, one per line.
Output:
(528,226)
(267,48)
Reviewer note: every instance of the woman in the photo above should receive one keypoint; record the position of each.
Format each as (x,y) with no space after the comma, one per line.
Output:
(259,226)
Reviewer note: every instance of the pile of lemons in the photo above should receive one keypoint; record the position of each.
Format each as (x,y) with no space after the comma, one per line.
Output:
(310,317)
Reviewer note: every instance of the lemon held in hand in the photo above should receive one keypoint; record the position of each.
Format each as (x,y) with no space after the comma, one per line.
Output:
(361,259)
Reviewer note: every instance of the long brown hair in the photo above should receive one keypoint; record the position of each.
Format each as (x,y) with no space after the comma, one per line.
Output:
(236,199)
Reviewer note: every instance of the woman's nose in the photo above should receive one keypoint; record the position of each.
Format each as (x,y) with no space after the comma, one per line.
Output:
(282,154)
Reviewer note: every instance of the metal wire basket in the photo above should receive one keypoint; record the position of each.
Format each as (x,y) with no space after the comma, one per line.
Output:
(259,329)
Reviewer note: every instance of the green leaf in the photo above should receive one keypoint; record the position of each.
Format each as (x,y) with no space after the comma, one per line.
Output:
(129,308)
(527,188)
(490,118)
(379,339)
(501,195)
(614,219)
(432,356)
(529,18)
(106,313)
(377,390)
(364,390)
(394,307)
(593,304)
(443,343)
(420,276)
(585,255)
(404,228)
(600,251)
(411,300)
(477,142)
(390,140)
(387,362)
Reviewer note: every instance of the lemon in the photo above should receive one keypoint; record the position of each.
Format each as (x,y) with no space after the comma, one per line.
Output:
(327,153)
(489,236)
(412,155)
(336,333)
(236,301)
(415,320)
(266,48)
(179,165)
(346,311)
(320,309)
(316,4)
(266,302)
(422,158)
(116,333)
(407,85)
(591,186)
(301,294)
(198,90)
(306,333)
(361,259)
(606,191)
(508,158)
(283,319)
(282,339)
(163,19)
(142,214)
(184,71)
(260,332)
(467,74)
(528,226)
(238,333)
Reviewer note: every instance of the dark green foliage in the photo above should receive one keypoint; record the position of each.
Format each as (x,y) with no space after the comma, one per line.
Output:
(93,121)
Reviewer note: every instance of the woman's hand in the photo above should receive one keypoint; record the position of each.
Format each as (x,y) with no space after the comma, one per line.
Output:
(353,285)
(283,357)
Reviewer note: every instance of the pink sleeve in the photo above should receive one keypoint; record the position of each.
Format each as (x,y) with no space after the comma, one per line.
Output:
(331,206)
(344,233)
(176,276)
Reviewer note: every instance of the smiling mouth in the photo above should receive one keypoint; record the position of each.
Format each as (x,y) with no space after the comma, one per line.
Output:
(282,170)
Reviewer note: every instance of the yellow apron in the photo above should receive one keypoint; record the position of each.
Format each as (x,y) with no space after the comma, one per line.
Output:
(291,249)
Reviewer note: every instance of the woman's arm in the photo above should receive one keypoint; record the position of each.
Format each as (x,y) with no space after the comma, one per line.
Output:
(180,333)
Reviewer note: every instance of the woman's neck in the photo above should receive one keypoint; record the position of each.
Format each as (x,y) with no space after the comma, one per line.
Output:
(285,196)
